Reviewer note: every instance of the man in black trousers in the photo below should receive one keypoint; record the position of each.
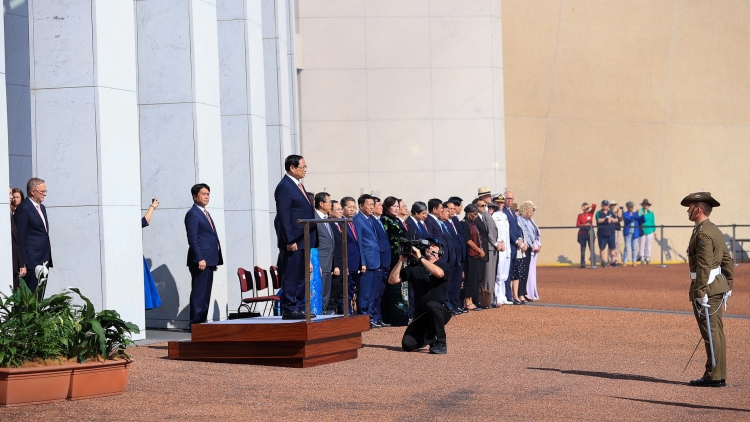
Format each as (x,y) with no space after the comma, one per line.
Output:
(33,231)
(292,204)
(204,252)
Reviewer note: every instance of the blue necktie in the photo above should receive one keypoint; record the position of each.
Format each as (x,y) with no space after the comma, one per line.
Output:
(419,226)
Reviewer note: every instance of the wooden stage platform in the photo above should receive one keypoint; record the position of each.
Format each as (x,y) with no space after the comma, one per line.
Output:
(274,342)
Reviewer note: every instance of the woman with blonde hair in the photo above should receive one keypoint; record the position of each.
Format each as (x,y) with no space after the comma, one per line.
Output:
(527,283)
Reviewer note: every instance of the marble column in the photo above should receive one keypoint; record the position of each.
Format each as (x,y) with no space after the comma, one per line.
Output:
(280,93)
(243,129)
(6,264)
(85,144)
(181,143)
(16,19)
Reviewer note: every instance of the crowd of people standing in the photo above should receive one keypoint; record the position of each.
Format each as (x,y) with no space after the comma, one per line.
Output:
(624,234)
(490,252)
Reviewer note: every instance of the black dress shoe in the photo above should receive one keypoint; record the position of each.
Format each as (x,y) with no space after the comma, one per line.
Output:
(702,382)
(383,324)
(438,349)
(375,324)
(296,315)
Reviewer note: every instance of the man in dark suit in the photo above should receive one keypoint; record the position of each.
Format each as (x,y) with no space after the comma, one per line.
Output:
(337,275)
(292,204)
(415,224)
(454,288)
(432,222)
(515,237)
(370,253)
(452,250)
(325,244)
(33,231)
(381,276)
(354,259)
(483,229)
(204,252)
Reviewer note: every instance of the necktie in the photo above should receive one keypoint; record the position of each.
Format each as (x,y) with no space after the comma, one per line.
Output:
(419,227)
(328,227)
(454,227)
(302,189)
(405,226)
(354,232)
(39,210)
(338,227)
(373,229)
(209,220)
(424,228)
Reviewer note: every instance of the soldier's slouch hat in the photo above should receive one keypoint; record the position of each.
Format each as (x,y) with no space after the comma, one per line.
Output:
(700,197)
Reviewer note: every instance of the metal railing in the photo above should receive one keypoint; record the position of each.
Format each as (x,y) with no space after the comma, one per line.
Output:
(344,261)
(661,234)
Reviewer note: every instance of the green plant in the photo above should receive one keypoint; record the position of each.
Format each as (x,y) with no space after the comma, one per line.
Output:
(31,328)
(100,334)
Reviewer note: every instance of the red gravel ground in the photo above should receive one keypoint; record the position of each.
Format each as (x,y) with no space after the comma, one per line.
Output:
(512,363)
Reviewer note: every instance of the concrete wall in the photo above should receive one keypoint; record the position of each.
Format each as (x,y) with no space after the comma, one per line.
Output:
(625,100)
(402,98)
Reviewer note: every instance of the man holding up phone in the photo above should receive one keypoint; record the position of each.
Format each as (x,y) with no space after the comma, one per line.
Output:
(606,221)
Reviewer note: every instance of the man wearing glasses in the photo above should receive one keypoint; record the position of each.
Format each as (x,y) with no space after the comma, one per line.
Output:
(292,204)
(33,230)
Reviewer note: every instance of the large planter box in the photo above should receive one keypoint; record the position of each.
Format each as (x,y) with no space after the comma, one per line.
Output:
(47,384)
(98,379)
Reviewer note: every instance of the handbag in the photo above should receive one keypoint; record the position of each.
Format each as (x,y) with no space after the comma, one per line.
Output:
(485,297)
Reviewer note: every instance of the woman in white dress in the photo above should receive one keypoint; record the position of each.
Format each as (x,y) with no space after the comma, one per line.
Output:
(503,255)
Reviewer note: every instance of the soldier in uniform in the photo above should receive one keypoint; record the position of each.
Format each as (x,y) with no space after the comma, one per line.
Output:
(711,274)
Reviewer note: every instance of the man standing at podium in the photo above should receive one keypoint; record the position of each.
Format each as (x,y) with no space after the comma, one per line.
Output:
(292,204)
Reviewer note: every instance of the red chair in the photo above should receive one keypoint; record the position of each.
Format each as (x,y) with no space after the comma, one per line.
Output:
(246,285)
(275,280)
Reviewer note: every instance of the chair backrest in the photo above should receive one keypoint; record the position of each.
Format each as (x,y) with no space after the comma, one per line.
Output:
(275,278)
(245,280)
(261,278)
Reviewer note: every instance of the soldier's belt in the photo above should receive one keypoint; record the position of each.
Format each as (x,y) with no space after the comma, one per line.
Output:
(711,275)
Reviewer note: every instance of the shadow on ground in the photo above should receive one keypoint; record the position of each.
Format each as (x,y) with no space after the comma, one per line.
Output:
(610,375)
(678,404)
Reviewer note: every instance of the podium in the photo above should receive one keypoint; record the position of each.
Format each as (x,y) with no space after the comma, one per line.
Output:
(272,341)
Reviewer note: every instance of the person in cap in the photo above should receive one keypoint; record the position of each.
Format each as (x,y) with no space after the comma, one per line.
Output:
(586,234)
(493,246)
(711,274)
(649,227)
(428,276)
(617,211)
(631,232)
(605,229)
(503,254)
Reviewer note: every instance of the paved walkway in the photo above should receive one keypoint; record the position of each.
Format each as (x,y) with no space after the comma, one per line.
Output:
(540,362)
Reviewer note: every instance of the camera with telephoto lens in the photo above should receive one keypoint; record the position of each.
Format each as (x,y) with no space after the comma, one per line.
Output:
(405,245)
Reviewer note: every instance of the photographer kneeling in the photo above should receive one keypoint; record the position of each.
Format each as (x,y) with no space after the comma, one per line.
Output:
(427,276)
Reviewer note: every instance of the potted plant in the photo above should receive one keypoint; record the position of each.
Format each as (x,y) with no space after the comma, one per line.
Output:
(52,349)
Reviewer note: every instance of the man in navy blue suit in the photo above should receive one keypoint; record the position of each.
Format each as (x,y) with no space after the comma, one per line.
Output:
(292,204)
(353,257)
(370,253)
(452,251)
(432,222)
(415,223)
(457,276)
(515,235)
(33,231)
(381,277)
(204,252)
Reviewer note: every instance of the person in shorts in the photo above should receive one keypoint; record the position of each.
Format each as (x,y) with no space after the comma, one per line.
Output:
(606,222)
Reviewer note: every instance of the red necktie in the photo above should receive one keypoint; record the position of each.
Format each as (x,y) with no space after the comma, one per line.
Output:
(209,220)
(354,232)
(302,189)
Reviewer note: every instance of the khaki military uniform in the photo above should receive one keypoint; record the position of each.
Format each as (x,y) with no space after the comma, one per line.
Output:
(711,271)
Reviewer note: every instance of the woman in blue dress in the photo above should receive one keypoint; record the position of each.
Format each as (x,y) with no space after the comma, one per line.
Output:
(151,294)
